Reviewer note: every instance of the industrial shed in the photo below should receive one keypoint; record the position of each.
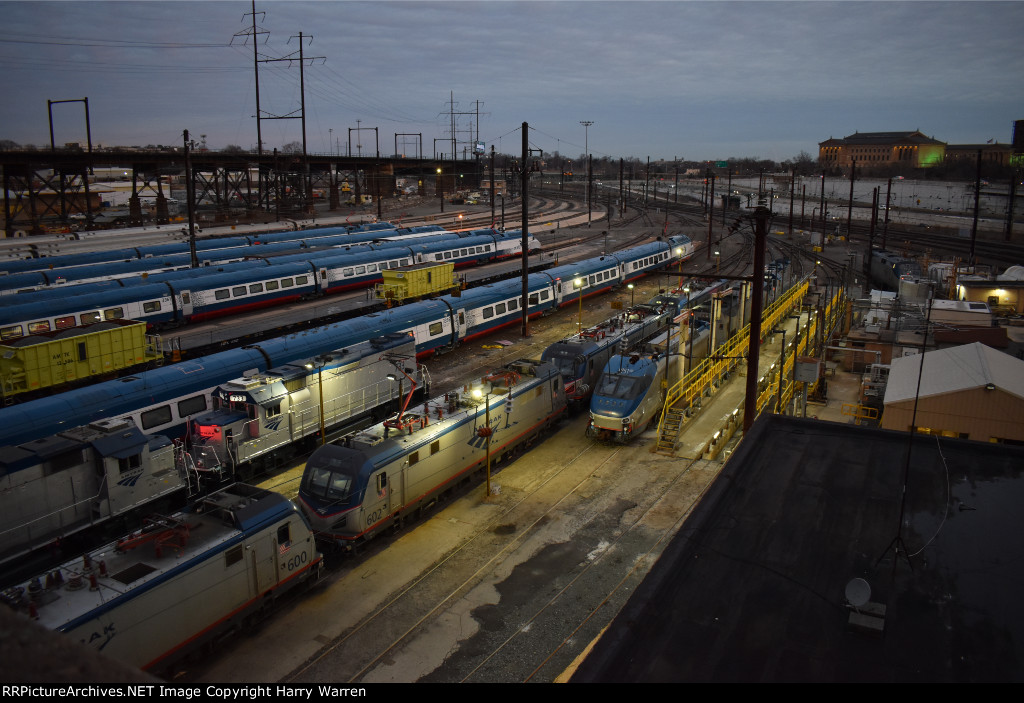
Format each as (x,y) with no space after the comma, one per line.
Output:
(971,391)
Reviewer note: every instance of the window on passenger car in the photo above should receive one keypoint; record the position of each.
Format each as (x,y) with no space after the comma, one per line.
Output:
(371,268)
(593,280)
(513,304)
(287,283)
(113,314)
(488,313)
(191,406)
(463,252)
(434,329)
(88,318)
(301,280)
(238,291)
(447,255)
(439,257)
(499,309)
(533,299)
(479,249)
(62,323)
(360,269)
(151,306)
(347,272)
(413,458)
(256,288)
(544,295)
(37,327)
(272,285)
(11,332)
(404,262)
(156,416)
(222,294)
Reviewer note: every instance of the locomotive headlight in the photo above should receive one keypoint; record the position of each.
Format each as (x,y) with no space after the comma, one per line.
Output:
(625,422)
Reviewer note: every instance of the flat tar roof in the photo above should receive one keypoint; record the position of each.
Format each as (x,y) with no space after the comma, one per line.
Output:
(754,585)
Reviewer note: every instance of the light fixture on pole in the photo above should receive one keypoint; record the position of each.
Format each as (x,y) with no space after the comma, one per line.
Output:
(577,284)
(440,190)
(630,286)
(320,361)
(586,148)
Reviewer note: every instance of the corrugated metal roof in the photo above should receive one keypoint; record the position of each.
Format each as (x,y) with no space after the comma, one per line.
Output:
(960,368)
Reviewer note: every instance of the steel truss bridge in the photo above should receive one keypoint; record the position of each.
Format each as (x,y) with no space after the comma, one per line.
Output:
(48,188)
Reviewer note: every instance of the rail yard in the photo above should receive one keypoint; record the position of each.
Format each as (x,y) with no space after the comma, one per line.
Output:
(507,569)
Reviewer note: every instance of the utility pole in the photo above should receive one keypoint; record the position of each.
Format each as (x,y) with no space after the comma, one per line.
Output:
(849,207)
(264,190)
(761,215)
(525,304)
(190,197)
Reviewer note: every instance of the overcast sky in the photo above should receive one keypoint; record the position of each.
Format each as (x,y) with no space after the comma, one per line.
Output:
(677,79)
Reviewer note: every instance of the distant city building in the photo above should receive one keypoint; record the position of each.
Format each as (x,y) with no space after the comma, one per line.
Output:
(911,149)
(995,154)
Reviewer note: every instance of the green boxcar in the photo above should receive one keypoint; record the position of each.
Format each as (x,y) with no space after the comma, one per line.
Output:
(52,359)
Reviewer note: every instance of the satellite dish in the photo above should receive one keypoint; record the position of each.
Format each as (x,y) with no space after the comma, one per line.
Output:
(858,592)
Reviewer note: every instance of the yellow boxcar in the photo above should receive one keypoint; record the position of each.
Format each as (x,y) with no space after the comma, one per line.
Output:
(407,283)
(50,359)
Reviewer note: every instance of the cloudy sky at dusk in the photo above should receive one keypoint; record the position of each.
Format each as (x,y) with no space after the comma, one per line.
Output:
(694,80)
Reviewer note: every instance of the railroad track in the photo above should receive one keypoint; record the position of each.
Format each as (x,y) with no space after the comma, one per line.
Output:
(567,481)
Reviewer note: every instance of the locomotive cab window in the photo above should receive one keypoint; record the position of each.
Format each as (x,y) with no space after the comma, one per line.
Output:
(129,463)
(284,535)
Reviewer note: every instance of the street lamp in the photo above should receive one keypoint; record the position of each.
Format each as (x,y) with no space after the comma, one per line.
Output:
(577,285)
(586,148)
(440,190)
(321,361)
(630,286)
(718,261)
